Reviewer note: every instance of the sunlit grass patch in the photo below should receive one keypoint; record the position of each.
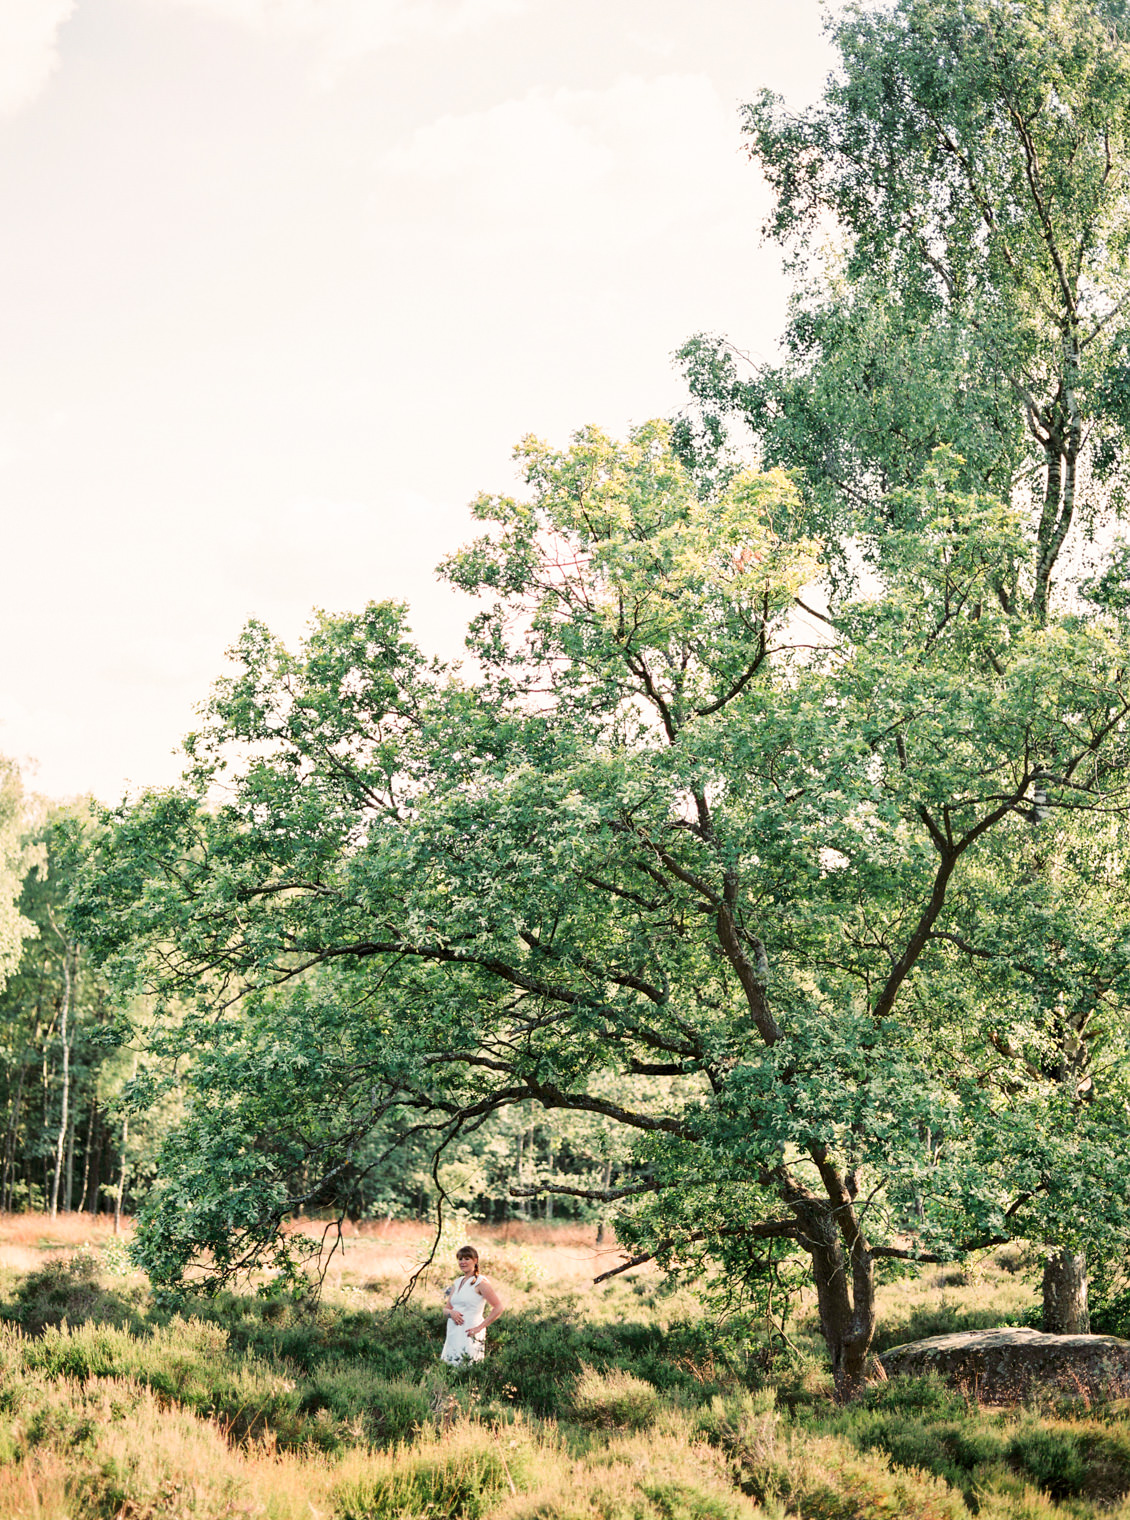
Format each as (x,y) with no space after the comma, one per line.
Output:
(653,1475)
(615,1398)
(461,1473)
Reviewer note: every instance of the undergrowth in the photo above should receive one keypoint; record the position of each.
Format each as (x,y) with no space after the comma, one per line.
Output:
(585,1409)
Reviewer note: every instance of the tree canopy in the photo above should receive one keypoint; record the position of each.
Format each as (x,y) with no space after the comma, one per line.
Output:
(18,852)
(669,832)
(967,166)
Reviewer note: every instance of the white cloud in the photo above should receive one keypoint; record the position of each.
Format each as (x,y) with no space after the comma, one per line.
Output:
(342,31)
(29,33)
(583,165)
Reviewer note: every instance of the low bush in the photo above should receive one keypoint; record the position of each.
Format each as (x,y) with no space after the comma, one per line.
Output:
(387,1412)
(460,1476)
(69,1289)
(1084,1456)
(608,1399)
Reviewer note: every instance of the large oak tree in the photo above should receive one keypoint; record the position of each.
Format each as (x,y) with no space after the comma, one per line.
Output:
(680,824)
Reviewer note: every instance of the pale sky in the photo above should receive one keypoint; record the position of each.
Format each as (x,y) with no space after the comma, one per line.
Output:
(282,282)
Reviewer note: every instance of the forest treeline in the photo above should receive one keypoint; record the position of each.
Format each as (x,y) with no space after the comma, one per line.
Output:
(71,1143)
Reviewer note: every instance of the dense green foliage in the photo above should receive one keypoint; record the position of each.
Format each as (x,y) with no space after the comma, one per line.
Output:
(957,207)
(65,1144)
(665,837)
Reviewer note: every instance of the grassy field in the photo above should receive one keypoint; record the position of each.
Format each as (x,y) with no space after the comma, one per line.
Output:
(619,1402)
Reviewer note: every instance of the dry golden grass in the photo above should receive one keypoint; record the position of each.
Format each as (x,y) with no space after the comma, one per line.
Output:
(382,1255)
(26,1240)
(146,1459)
(65,1230)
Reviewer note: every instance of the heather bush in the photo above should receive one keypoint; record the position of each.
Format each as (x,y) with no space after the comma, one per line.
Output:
(587,1407)
(614,1399)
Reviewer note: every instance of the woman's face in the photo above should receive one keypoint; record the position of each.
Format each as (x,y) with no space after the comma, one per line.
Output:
(466,1263)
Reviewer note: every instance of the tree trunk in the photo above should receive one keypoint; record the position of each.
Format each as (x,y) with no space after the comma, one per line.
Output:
(845,1294)
(95,1162)
(1065,1294)
(87,1151)
(10,1143)
(121,1179)
(605,1183)
(69,1169)
(70,967)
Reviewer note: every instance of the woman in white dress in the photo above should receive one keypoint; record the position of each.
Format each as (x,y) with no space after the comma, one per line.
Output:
(470,1304)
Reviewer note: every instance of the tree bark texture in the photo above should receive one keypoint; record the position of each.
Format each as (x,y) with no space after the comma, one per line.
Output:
(1065,1294)
(844,1275)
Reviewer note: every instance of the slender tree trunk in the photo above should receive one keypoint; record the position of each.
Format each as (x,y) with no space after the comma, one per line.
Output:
(10,1144)
(70,970)
(69,1168)
(96,1164)
(121,1178)
(1062,442)
(1065,1294)
(45,1086)
(1045,560)
(125,1167)
(86,1153)
(5,1172)
(605,1183)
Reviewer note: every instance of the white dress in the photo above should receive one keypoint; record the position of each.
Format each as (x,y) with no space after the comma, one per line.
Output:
(459,1346)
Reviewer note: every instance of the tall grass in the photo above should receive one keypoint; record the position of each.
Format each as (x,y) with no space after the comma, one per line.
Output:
(623,1405)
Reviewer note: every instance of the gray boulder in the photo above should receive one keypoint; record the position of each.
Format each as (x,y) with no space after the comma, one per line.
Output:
(1003,1365)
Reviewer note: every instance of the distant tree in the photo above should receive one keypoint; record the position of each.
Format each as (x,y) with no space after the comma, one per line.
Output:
(17,852)
(970,166)
(58,1077)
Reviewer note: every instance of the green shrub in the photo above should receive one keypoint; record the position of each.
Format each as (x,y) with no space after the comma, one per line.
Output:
(689,1501)
(462,1478)
(609,1399)
(389,1412)
(68,1289)
(1055,1460)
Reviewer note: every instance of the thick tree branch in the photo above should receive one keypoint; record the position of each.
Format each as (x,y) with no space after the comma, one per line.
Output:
(770,1229)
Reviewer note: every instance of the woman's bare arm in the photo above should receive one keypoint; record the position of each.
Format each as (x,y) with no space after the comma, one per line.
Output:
(494,1305)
